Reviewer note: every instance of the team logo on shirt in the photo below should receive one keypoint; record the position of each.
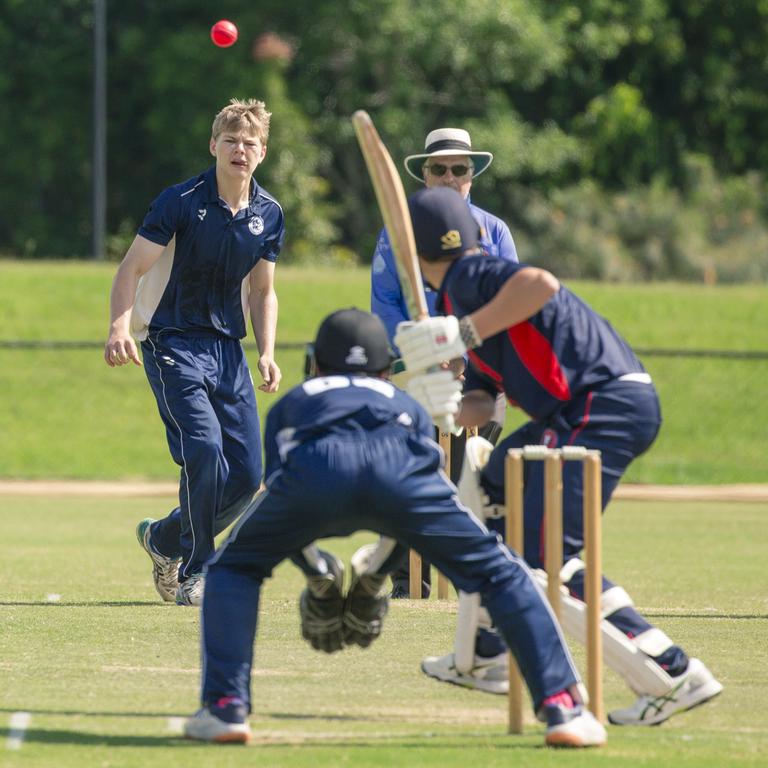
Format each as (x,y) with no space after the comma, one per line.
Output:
(256,225)
(356,356)
(201,213)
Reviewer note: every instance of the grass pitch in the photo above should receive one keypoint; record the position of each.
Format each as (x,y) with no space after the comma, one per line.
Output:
(106,671)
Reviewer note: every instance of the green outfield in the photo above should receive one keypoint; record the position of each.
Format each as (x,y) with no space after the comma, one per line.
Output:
(106,671)
(65,414)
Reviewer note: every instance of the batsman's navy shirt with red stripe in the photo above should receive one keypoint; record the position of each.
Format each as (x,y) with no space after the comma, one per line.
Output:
(540,364)
(200,282)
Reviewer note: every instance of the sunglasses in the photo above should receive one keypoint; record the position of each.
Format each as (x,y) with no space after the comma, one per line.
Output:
(438,169)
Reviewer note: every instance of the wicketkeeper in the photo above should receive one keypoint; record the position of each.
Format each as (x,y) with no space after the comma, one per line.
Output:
(581,384)
(348,451)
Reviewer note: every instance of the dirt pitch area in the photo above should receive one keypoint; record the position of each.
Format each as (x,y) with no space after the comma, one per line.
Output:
(742,492)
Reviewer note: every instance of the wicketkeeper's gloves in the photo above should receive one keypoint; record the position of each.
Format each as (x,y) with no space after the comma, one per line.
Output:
(367,601)
(321,607)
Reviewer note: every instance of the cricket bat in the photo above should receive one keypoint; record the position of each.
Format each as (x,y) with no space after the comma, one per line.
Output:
(393,205)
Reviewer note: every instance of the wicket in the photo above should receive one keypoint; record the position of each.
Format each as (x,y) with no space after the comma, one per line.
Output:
(553,553)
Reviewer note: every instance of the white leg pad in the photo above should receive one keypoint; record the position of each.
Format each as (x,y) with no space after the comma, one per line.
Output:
(628,658)
(467,622)
(476,454)
(471,615)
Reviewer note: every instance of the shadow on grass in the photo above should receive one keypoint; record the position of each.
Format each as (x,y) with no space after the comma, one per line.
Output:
(41,736)
(78,738)
(89,604)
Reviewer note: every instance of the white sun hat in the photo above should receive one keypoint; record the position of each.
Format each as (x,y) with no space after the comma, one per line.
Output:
(447,141)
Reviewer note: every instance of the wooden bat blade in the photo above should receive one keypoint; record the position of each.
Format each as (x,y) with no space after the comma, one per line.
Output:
(393,205)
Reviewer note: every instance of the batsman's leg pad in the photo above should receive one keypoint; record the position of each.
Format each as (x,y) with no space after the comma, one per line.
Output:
(476,454)
(630,658)
(471,615)
(367,601)
(470,618)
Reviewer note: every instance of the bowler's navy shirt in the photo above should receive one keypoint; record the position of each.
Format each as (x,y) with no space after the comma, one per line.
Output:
(563,350)
(336,404)
(200,282)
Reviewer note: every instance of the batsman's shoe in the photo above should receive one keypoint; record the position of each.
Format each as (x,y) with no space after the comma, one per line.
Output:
(190,592)
(165,570)
(572,727)
(490,675)
(224,723)
(693,687)
(399,592)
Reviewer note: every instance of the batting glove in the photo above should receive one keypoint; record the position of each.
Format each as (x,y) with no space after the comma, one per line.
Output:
(438,392)
(321,607)
(427,343)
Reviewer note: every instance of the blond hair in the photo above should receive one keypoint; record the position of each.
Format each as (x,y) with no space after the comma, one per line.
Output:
(250,116)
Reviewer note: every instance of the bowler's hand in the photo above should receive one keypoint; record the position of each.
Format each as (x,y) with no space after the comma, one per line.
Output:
(271,374)
(120,349)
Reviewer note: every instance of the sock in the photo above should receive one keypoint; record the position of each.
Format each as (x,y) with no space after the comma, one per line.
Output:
(562,699)
(230,709)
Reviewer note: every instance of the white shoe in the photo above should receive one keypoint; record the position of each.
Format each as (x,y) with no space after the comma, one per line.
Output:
(693,687)
(165,570)
(190,592)
(575,727)
(490,675)
(203,726)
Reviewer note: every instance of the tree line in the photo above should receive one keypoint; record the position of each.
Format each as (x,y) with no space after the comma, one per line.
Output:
(630,136)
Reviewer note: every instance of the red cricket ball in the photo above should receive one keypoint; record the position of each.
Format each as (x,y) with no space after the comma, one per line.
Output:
(224,33)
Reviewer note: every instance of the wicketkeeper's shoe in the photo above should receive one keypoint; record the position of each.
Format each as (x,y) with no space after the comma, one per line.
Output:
(490,675)
(693,687)
(572,727)
(165,570)
(190,591)
(224,723)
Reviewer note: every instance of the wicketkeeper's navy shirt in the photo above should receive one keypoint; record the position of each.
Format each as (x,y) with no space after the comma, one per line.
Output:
(199,284)
(565,349)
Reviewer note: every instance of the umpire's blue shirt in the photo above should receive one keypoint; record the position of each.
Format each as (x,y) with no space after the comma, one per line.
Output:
(200,283)
(565,349)
(387,300)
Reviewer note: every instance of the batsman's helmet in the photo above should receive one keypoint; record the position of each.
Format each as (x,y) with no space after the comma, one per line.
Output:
(443,225)
(352,341)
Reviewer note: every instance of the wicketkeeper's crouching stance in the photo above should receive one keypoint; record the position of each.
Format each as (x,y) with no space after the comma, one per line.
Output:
(348,451)
(581,385)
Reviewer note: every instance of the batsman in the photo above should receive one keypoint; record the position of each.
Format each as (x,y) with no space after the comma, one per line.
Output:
(528,336)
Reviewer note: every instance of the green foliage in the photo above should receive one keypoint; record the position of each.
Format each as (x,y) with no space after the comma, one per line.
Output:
(709,230)
(611,97)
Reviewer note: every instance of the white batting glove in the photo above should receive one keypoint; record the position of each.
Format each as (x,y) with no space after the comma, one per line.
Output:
(429,342)
(439,392)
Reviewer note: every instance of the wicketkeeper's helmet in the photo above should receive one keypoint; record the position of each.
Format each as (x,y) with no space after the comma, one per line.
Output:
(352,341)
